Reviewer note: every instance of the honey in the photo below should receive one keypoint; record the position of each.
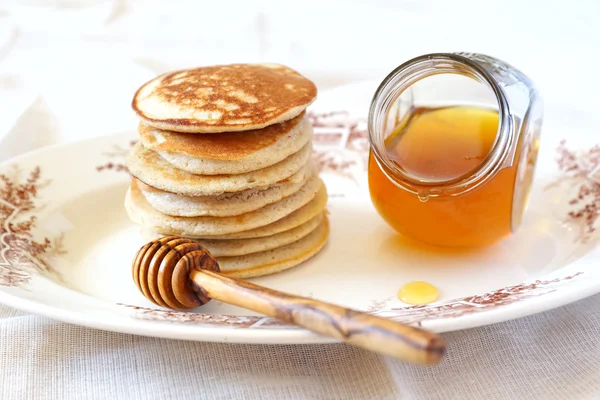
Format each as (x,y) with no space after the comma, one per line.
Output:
(418,293)
(454,140)
(441,144)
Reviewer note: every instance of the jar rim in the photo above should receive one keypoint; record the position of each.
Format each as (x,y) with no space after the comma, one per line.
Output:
(399,80)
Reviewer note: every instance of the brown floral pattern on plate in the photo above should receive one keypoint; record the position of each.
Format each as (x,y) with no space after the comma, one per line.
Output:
(116,152)
(341,143)
(581,170)
(415,315)
(471,304)
(339,128)
(22,257)
(234,321)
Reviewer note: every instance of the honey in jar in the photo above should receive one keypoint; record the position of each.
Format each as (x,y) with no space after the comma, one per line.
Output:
(452,161)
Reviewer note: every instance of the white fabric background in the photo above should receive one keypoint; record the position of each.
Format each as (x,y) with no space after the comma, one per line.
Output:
(553,355)
(67,71)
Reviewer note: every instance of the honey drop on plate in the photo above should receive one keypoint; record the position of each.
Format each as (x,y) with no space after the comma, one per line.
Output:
(418,293)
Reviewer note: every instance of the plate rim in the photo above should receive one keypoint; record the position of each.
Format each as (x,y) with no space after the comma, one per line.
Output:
(289,335)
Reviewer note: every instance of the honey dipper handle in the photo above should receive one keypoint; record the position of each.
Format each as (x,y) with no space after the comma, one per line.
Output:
(374,333)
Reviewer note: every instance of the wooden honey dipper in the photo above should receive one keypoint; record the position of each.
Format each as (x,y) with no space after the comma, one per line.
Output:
(178,273)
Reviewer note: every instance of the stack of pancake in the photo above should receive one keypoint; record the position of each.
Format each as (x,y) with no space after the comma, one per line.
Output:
(225,159)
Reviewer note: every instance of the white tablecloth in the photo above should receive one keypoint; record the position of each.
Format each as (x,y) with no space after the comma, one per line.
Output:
(554,355)
(66,63)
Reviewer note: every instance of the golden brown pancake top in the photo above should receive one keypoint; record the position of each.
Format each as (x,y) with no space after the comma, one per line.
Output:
(216,146)
(224,98)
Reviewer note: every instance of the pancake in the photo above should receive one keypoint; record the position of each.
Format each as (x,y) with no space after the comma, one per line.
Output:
(223,98)
(309,213)
(142,213)
(150,168)
(240,247)
(276,260)
(226,204)
(230,152)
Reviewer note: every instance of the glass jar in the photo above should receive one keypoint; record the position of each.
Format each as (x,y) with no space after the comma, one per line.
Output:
(454,140)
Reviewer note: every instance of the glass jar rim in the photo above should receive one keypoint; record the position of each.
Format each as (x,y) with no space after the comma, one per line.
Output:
(404,76)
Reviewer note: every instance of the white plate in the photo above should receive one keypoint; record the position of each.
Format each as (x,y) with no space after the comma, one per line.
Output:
(66,245)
